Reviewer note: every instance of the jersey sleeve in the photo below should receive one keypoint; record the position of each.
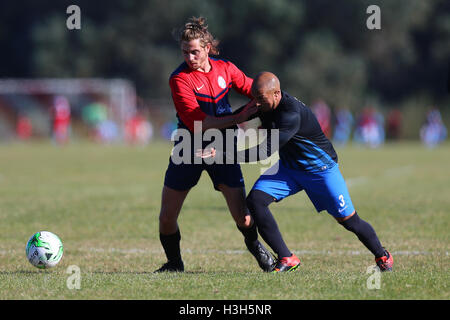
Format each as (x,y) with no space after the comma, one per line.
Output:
(289,124)
(241,83)
(185,102)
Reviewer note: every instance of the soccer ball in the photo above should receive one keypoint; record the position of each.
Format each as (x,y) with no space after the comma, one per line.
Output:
(44,250)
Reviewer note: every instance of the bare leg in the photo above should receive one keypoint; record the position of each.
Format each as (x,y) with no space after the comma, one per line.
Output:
(235,198)
(171,203)
(169,233)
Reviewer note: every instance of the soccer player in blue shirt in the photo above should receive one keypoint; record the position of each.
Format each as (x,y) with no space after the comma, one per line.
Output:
(307,162)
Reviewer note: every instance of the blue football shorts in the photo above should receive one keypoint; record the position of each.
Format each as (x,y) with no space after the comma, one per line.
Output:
(184,176)
(326,189)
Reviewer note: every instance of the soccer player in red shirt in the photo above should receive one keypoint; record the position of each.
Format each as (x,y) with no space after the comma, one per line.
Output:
(200,88)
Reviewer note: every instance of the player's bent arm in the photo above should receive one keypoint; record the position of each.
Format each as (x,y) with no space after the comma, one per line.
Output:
(289,126)
(262,151)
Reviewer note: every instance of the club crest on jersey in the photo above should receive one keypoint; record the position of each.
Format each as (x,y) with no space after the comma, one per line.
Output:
(221,82)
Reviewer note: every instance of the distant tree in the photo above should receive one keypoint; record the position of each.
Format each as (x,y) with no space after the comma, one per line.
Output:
(318,48)
(321,70)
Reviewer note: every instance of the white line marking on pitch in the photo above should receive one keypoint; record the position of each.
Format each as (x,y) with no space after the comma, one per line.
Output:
(236,252)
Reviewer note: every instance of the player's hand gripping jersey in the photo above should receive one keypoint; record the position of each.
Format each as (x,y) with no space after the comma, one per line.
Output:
(198,94)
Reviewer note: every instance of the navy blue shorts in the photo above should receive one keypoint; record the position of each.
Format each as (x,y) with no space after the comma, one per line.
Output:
(326,189)
(184,176)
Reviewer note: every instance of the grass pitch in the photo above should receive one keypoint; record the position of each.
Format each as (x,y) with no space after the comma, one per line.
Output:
(103,202)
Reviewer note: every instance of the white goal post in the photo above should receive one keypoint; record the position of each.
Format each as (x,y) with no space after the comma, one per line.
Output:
(119,94)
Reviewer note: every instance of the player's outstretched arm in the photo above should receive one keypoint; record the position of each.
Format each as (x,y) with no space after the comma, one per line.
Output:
(242,115)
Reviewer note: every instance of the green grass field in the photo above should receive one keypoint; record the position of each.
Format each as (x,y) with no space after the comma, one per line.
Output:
(103,202)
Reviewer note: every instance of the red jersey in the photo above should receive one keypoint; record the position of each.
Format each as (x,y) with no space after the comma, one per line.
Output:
(197,94)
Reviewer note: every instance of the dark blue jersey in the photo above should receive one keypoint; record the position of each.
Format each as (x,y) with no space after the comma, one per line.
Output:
(302,143)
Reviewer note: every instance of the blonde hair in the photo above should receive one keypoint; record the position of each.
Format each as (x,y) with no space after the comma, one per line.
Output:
(196,28)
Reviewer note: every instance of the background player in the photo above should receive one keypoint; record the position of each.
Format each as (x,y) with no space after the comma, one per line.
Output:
(200,87)
(307,162)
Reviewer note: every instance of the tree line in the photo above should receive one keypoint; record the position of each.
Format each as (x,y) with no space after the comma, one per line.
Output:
(319,49)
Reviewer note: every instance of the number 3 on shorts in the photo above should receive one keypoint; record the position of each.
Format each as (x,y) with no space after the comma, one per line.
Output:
(342,201)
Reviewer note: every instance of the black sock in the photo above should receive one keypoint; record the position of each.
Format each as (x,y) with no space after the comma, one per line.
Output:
(365,233)
(258,204)
(250,235)
(171,245)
